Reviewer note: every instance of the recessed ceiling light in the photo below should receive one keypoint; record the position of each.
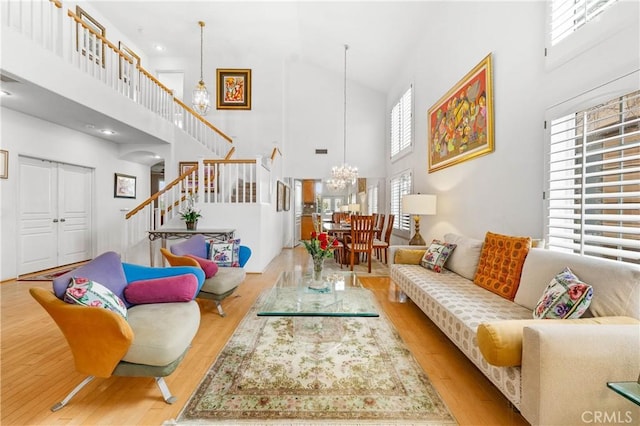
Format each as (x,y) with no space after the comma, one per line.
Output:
(159,48)
(107,132)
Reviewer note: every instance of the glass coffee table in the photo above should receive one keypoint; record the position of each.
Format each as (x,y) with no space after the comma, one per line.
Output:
(338,294)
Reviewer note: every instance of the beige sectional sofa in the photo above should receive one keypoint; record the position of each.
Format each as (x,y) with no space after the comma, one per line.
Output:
(561,378)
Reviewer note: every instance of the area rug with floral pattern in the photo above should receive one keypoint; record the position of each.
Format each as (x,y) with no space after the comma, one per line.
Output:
(315,370)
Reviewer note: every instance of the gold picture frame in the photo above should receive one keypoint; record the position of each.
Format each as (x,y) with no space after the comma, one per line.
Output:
(460,124)
(87,44)
(123,69)
(233,88)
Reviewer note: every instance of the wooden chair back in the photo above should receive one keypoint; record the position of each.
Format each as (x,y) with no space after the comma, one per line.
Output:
(379,225)
(361,238)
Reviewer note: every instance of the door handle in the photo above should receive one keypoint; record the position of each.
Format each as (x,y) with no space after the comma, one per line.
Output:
(63,220)
(55,220)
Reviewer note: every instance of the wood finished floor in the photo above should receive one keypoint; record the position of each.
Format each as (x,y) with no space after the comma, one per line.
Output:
(36,367)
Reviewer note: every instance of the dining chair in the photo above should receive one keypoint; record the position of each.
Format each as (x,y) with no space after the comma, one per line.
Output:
(383,244)
(379,225)
(360,240)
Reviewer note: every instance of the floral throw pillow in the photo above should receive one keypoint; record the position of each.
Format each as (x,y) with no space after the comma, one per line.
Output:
(565,297)
(83,291)
(225,254)
(436,255)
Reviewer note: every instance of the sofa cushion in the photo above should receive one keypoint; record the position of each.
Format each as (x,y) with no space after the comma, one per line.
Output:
(83,291)
(464,259)
(500,342)
(565,297)
(208,266)
(436,255)
(408,256)
(225,254)
(179,288)
(196,245)
(616,285)
(162,331)
(500,263)
(105,269)
(224,281)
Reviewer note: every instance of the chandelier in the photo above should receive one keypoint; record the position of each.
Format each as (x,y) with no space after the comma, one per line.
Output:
(201,102)
(344,174)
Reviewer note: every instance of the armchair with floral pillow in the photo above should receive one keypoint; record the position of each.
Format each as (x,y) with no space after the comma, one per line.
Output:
(222,262)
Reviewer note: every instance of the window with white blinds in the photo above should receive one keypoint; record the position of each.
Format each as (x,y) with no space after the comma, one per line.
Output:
(569,15)
(593,193)
(401,123)
(400,185)
(372,199)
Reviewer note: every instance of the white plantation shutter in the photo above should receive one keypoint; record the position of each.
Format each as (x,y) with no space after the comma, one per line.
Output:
(594,181)
(402,123)
(372,194)
(400,185)
(569,15)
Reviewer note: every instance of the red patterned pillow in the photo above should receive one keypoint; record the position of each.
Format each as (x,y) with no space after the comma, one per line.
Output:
(500,264)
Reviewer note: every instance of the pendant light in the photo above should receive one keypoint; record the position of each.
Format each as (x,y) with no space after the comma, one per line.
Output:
(344,174)
(201,102)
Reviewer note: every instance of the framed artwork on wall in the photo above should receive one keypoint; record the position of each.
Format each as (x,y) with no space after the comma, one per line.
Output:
(86,40)
(280,196)
(287,198)
(124,186)
(4,164)
(125,68)
(460,124)
(184,167)
(233,88)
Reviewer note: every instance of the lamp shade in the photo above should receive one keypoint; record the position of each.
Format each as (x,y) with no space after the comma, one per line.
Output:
(354,207)
(419,204)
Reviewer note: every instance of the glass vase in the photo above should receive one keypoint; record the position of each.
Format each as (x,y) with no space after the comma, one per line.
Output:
(318,263)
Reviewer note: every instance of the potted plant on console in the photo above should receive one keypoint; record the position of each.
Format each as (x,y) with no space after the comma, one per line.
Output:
(189,213)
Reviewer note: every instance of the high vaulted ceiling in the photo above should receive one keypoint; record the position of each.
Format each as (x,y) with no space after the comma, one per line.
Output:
(380,33)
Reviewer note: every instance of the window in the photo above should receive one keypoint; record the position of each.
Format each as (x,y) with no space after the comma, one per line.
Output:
(372,195)
(594,181)
(401,124)
(569,15)
(400,185)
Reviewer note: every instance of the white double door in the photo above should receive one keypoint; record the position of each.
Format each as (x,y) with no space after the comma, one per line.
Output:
(54,214)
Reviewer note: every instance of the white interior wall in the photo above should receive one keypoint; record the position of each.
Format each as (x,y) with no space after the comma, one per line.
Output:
(502,191)
(314,102)
(25,135)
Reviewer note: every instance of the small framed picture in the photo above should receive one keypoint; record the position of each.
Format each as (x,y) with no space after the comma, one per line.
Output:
(233,88)
(287,198)
(4,164)
(86,40)
(126,66)
(124,186)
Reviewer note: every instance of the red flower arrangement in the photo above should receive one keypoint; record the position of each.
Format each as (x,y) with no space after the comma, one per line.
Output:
(320,245)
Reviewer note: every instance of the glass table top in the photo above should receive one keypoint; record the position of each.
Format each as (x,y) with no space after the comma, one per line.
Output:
(338,294)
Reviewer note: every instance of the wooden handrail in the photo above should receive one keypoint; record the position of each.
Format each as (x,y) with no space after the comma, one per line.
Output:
(205,122)
(230,153)
(179,179)
(225,161)
(155,196)
(155,80)
(57,3)
(149,76)
(275,151)
(100,36)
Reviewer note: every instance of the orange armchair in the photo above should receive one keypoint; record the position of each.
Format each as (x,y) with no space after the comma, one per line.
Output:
(145,344)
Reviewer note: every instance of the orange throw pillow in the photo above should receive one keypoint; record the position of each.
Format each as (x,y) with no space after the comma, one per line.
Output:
(500,264)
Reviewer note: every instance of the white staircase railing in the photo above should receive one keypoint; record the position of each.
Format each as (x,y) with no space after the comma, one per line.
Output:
(79,43)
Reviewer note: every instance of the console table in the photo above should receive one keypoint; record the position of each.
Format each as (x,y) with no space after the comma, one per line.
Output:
(221,235)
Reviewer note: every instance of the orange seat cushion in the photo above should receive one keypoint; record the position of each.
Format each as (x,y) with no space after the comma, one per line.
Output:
(500,264)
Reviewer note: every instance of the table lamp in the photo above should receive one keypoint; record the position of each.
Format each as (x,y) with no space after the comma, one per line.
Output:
(354,208)
(417,205)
